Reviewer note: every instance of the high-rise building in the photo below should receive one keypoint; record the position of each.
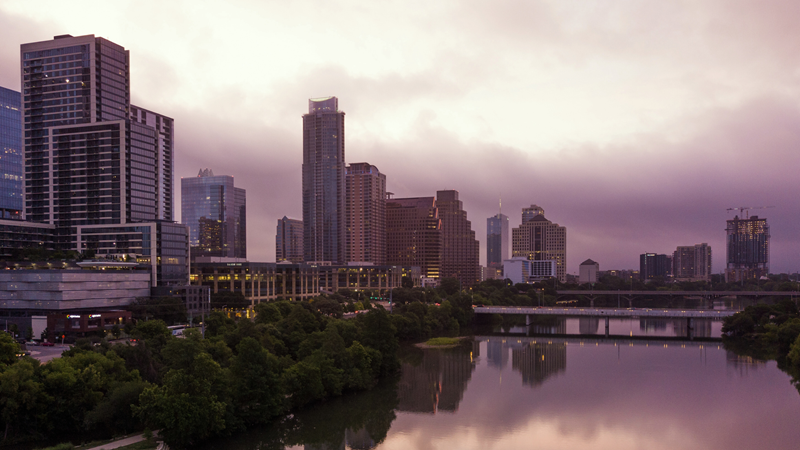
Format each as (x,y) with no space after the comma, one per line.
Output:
(497,244)
(289,240)
(692,263)
(215,212)
(323,182)
(539,239)
(366,214)
(652,265)
(460,249)
(90,157)
(747,249)
(10,154)
(414,234)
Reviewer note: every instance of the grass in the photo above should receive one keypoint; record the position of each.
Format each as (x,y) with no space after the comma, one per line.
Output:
(442,341)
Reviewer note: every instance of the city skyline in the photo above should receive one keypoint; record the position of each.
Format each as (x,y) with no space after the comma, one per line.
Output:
(637,142)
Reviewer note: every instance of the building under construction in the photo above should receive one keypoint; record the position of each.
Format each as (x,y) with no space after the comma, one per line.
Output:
(747,249)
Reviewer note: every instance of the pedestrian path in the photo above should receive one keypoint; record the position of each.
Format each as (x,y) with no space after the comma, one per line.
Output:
(120,443)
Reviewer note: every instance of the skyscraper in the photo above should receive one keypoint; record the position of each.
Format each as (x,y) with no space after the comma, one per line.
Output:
(366,213)
(90,157)
(289,240)
(323,182)
(496,240)
(10,154)
(414,234)
(98,169)
(747,249)
(539,239)
(652,265)
(460,249)
(215,212)
(692,263)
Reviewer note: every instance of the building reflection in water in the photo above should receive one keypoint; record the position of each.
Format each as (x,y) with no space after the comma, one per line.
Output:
(359,440)
(588,325)
(653,324)
(548,325)
(538,361)
(324,447)
(744,364)
(437,383)
(497,354)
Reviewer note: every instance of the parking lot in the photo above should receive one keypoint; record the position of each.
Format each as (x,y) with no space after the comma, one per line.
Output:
(44,354)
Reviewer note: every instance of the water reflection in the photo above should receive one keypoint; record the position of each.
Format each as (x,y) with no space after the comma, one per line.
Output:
(435,379)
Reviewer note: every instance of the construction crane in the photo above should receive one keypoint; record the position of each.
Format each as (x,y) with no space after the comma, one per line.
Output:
(745,210)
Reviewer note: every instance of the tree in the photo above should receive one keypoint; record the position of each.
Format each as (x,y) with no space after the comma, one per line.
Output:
(186,408)
(379,333)
(20,393)
(8,350)
(256,392)
(450,285)
(267,313)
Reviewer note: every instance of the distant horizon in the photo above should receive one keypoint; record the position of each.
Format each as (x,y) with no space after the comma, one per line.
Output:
(634,126)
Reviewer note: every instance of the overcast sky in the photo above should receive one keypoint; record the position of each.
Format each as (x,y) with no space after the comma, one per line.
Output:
(634,124)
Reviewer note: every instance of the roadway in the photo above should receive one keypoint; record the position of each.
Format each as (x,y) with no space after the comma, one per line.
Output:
(635,341)
(684,293)
(606,312)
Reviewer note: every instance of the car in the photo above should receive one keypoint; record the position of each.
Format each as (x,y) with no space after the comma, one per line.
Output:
(47,344)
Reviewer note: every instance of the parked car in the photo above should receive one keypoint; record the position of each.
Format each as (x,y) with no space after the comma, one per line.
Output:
(47,344)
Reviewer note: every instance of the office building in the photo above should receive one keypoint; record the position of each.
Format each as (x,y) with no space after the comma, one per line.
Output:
(366,214)
(692,263)
(497,245)
(523,270)
(289,240)
(215,212)
(652,265)
(10,154)
(588,272)
(90,157)
(747,246)
(414,234)
(539,239)
(323,182)
(460,249)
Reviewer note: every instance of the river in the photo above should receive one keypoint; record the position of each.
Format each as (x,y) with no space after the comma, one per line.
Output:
(520,392)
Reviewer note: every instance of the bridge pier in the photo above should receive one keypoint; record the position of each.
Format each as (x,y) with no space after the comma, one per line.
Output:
(690,328)
(528,320)
(606,326)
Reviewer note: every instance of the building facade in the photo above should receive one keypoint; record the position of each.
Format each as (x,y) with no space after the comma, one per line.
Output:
(652,265)
(588,272)
(90,157)
(324,211)
(747,246)
(216,213)
(366,214)
(460,248)
(523,270)
(414,234)
(497,244)
(10,154)
(539,239)
(692,263)
(289,240)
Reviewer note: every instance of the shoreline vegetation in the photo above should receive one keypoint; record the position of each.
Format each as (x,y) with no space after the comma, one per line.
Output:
(767,332)
(442,342)
(248,373)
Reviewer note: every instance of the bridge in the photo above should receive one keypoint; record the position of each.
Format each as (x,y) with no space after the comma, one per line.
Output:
(705,295)
(636,313)
(582,341)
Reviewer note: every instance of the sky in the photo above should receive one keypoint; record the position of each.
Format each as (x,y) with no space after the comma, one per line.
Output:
(635,125)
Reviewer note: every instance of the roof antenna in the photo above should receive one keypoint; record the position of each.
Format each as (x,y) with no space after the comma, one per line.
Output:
(501,204)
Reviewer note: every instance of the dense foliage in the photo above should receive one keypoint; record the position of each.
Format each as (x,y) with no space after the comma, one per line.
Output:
(243,373)
(767,332)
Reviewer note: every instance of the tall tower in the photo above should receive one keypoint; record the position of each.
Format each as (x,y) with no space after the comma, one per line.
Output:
(324,182)
(414,234)
(747,249)
(496,240)
(90,157)
(289,240)
(215,212)
(10,154)
(460,249)
(539,239)
(366,214)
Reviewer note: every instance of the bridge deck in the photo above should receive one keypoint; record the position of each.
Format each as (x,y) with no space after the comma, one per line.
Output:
(606,312)
(685,293)
(599,339)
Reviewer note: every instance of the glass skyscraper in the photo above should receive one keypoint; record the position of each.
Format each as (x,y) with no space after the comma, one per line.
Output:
(324,212)
(497,244)
(10,154)
(215,212)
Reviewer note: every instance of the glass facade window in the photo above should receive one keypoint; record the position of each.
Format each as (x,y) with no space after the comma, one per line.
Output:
(215,212)
(10,154)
